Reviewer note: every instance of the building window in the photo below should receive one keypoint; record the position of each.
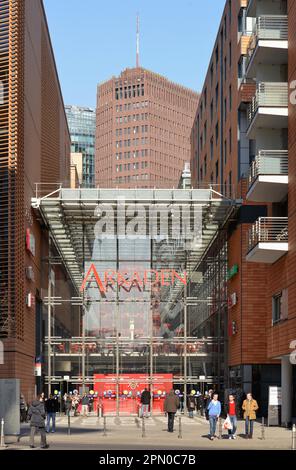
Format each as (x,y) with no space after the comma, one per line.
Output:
(225,151)
(217,170)
(212,110)
(217,56)
(280,306)
(217,95)
(212,74)
(225,109)
(230,97)
(230,54)
(212,148)
(230,140)
(217,132)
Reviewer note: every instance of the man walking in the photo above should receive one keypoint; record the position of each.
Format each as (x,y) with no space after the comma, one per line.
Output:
(231,410)
(191,403)
(171,404)
(250,406)
(36,414)
(51,407)
(214,410)
(84,404)
(145,401)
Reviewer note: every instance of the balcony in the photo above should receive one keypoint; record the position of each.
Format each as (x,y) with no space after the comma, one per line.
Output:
(268,239)
(269,107)
(268,176)
(268,43)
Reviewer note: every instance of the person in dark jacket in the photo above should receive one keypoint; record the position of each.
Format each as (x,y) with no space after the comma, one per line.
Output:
(145,401)
(84,404)
(36,414)
(171,404)
(51,407)
(23,409)
(191,403)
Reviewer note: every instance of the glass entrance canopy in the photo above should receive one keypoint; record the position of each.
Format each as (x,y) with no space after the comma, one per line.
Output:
(128,310)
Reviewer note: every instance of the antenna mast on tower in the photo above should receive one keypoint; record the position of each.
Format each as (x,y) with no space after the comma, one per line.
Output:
(138,43)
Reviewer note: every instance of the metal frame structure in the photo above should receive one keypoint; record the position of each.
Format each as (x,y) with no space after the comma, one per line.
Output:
(69,217)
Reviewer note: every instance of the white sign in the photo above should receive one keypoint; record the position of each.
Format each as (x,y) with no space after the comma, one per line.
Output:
(66,377)
(275,396)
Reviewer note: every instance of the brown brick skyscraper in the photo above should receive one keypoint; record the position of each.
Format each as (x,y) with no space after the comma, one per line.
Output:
(143,130)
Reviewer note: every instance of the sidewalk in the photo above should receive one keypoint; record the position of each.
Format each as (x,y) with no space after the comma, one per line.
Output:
(126,433)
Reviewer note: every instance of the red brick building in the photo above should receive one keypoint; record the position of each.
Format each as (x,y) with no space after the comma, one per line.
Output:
(243,140)
(34,147)
(143,130)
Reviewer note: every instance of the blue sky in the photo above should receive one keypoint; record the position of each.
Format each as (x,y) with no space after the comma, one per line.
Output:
(95,39)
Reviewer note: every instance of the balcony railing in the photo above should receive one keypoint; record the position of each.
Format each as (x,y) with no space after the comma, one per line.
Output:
(268,230)
(268,94)
(268,27)
(269,162)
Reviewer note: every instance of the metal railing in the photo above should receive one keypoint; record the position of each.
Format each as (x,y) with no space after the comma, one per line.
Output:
(269,162)
(270,27)
(273,94)
(268,229)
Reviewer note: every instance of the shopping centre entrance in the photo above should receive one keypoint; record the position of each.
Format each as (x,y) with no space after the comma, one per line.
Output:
(135,293)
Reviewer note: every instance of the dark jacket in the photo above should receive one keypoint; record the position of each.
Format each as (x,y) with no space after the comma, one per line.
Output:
(191,402)
(36,414)
(145,397)
(51,405)
(171,403)
(85,400)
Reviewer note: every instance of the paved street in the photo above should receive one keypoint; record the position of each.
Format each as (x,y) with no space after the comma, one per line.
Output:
(126,433)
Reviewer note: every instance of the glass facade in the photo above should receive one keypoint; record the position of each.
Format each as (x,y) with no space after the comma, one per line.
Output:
(82,126)
(129,303)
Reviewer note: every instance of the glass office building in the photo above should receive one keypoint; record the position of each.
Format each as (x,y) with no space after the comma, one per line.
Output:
(82,126)
(130,301)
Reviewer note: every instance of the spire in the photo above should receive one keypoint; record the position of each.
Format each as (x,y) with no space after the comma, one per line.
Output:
(138,43)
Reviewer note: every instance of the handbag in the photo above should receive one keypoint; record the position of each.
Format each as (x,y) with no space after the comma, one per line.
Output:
(227,424)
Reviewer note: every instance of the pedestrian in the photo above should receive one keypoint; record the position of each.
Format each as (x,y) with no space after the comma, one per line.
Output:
(36,414)
(200,404)
(231,411)
(51,407)
(145,402)
(68,405)
(23,409)
(250,406)
(214,411)
(207,400)
(181,398)
(84,404)
(171,404)
(191,403)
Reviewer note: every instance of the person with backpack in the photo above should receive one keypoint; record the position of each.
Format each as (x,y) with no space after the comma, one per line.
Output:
(171,404)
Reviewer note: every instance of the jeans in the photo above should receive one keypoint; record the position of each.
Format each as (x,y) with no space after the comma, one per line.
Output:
(190,410)
(171,418)
(145,410)
(213,424)
(50,416)
(84,410)
(249,426)
(233,420)
(34,430)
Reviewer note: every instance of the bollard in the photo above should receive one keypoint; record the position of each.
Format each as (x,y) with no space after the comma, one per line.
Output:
(143,427)
(69,424)
(219,428)
(2,440)
(105,427)
(180,428)
(294,437)
(262,429)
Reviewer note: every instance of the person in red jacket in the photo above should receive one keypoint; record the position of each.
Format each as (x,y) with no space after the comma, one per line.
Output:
(231,410)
